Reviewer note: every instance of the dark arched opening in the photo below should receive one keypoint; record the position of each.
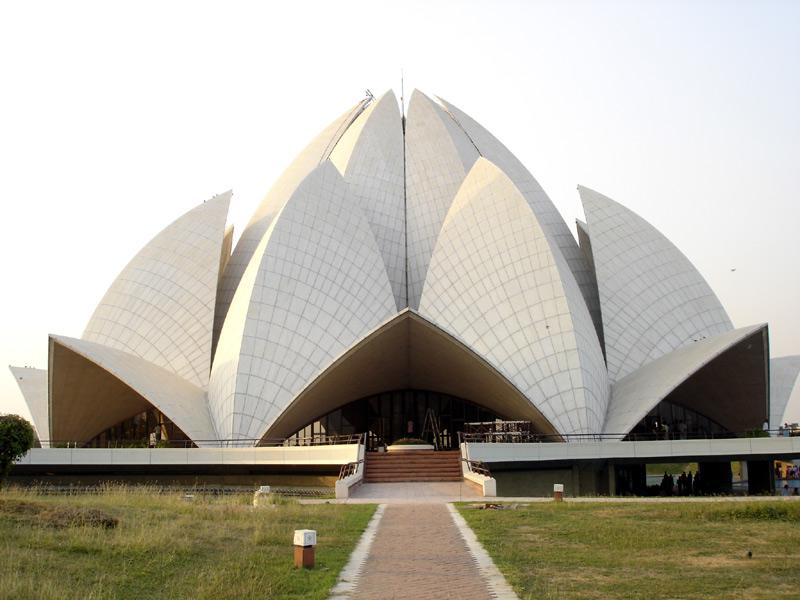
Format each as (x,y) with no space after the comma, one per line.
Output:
(389,416)
(668,420)
(149,428)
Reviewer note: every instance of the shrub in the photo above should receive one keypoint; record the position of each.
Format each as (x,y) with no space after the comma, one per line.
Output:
(771,511)
(409,442)
(16,438)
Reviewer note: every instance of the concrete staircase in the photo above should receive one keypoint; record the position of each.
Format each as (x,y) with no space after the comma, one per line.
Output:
(412,465)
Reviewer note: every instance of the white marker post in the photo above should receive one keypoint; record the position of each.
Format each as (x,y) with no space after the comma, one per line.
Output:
(261,495)
(304,542)
(558,492)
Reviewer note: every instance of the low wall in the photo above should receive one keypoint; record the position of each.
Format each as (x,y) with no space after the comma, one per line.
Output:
(322,455)
(654,451)
(533,483)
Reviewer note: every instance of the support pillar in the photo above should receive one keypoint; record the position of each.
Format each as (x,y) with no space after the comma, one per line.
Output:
(759,477)
(576,481)
(612,478)
(716,477)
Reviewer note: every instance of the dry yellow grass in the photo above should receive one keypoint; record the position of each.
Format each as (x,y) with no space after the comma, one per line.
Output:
(168,547)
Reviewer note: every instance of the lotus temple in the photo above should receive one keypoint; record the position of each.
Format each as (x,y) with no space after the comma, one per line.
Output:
(407,279)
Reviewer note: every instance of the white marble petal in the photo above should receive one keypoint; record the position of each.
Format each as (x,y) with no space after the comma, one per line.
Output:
(635,395)
(181,401)
(309,159)
(438,157)
(783,379)
(161,306)
(653,299)
(496,283)
(546,213)
(317,284)
(33,385)
(370,157)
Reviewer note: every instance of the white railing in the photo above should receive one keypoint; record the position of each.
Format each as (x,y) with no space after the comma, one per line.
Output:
(352,474)
(475,471)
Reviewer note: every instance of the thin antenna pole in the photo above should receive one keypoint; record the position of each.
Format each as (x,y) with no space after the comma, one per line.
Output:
(402,99)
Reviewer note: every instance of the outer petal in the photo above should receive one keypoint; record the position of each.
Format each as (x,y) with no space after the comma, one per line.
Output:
(783,377)
(33,385)
(546,213)
(370,157)
(653,299)
(737,398)
(93,387)
(161,307)
(316,285)
(496,283)
(438,157)
(309,159)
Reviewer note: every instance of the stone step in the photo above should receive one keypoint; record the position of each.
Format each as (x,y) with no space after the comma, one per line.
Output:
(412,472)
(436,465)
(410,456)
(412,465)
(413,451)
(411,462)
(414,468)
(401,478)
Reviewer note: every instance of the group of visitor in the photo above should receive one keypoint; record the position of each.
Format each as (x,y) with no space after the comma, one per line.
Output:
(784,474)
(789,472)
(684,484)
(667,431)
(787,430)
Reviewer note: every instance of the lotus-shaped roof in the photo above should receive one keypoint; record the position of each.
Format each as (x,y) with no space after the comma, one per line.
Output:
(404,251)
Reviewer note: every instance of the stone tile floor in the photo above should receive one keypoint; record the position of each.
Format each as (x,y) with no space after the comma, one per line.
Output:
(418,552)
(414,492)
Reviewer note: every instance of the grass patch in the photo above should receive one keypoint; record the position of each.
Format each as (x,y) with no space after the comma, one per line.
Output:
(166,546)
(39,513)
(631,550)
(767,511)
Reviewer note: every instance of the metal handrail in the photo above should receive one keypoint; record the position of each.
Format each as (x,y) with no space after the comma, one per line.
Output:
(350,468)
(483,437)
(477,466)
(317,440)
(533,437)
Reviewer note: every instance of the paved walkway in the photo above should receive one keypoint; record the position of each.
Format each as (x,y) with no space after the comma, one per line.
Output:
(418,552)
(414,492)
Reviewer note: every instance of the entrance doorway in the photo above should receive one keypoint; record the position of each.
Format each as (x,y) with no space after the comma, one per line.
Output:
(390,416)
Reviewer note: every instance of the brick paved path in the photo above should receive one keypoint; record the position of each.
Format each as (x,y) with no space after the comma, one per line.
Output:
(418,553)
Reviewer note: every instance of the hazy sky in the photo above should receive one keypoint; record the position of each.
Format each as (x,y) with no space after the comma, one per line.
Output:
(116,120)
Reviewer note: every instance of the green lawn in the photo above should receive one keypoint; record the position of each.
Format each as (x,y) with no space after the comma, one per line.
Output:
(166,547)
(638,550)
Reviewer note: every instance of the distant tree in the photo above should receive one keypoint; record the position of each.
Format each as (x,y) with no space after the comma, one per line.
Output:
(16,438)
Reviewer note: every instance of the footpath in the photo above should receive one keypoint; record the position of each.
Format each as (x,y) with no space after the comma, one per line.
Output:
(420,551)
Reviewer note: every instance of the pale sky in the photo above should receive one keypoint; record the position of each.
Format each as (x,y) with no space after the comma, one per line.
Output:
(116,120)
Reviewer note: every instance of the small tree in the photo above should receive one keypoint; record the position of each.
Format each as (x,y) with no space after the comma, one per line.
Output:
(16,438)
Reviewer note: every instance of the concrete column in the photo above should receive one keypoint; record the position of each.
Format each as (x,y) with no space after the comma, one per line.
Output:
(612,479)
(576,481)
(759,477)
(716,477)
